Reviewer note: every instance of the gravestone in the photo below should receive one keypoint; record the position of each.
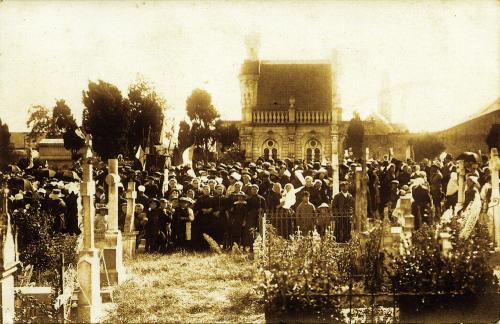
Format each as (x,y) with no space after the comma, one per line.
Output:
(129,232)
(360,202)
(110,242)
(89,295)
(8,262)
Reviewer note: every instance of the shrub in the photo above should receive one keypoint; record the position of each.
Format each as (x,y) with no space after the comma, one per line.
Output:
(466,270)
(39,245)
(305,274)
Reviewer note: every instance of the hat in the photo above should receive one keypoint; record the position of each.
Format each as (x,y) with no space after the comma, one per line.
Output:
(187,199)
(395,181)
(255,186)
(240,193)
(141,188)
(236,176)
(323,205)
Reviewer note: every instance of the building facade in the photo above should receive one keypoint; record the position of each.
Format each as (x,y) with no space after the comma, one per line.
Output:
(289,109)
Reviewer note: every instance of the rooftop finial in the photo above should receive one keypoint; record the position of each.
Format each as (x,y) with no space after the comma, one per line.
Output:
(252,42)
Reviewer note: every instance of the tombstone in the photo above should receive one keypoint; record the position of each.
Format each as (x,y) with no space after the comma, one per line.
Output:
(8,262)
(361,202)
(494,165)
(110,242)
(446,247)
(129,232)
(408,218)
(89,295)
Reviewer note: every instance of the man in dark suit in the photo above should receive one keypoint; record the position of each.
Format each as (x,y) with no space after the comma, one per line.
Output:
(343,204)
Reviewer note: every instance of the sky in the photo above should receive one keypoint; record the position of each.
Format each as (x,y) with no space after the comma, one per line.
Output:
(440,58)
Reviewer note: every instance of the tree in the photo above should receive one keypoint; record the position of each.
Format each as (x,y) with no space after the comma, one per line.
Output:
(185,136)
(6,147)
(355,135)
(62,117)
(203,116)
(227,135)
(50,123)
(41,123)
(426,146)
(146,115)
(493,138)
(106,118)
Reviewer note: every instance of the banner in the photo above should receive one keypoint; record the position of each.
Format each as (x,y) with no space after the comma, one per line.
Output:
(141,156)
(187,155)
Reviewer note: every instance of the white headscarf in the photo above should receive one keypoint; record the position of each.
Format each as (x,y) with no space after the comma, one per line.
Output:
(452,186)
(289,198)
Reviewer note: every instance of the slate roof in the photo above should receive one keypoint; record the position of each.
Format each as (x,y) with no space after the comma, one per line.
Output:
(310,82)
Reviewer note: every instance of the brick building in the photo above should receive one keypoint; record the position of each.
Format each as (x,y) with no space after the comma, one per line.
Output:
(289,108)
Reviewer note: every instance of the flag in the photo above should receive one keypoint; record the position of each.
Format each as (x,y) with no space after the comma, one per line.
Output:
(187,155)
(165,181)
(141,156)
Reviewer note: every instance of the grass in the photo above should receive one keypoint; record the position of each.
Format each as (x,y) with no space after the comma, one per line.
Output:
(188,288)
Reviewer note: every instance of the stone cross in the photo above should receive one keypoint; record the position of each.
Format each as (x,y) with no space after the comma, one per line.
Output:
(8,262)
(367,154)
(494,165)
(111,242)
(89,296)
(131,195)
(361,202)
(129,234)
(446,246)
(87,192)
(113,180)
(461,181)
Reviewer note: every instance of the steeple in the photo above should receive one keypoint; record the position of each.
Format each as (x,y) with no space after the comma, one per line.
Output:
(384,98)
(252,43)
(336,108)
(249,77)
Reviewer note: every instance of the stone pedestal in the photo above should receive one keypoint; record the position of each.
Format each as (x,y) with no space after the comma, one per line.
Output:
(89,294)
(8,263)
(128,244)
(111,245)
(89,298)
(111,242)
(361,202)
(129,233)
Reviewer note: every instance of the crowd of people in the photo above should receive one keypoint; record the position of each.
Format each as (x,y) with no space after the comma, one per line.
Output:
(187,207)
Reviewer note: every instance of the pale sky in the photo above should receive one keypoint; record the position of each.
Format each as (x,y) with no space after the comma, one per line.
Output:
(442,58)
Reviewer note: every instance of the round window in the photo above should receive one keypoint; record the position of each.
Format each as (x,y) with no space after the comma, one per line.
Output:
(270,143)
(313,143)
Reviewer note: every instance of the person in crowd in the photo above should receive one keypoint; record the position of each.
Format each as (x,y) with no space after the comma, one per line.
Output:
(204,219)
(153,231)
(181,223)
(451,198)
(421,206)
(237,218)
(305,214)
(142,198)
(255,205)
(436,188)
(342,203)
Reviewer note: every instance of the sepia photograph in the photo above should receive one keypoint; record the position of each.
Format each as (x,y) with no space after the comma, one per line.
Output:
(231,161)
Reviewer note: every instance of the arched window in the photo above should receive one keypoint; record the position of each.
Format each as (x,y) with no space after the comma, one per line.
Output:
(270,150)
(313,151)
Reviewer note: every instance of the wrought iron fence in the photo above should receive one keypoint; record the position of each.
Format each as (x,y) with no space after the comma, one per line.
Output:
(287,222)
